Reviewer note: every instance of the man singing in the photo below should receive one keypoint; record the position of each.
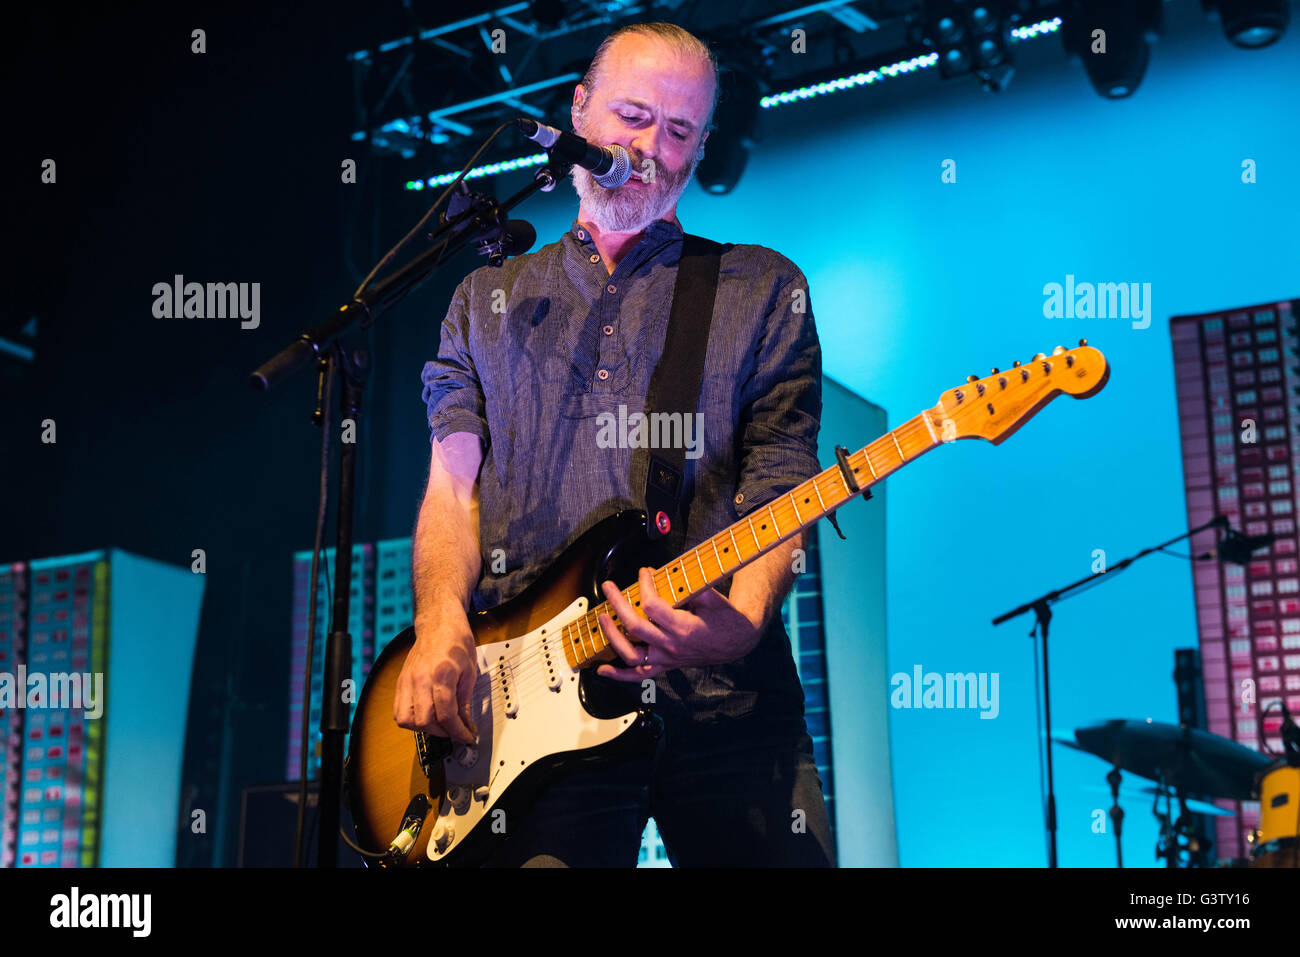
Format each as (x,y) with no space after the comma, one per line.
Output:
(516,470)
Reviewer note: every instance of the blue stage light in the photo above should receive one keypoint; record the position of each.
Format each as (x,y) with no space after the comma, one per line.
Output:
(851,82)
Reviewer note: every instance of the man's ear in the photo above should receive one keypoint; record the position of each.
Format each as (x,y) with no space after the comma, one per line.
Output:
(579,100)
(700,151)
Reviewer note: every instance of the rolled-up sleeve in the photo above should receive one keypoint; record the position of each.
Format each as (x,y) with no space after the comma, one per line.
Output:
(781,401)
(452,393)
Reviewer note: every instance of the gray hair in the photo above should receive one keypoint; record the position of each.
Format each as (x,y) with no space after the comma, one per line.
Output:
(681,41)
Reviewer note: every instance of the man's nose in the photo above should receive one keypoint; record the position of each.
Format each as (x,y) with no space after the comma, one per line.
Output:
(646,141)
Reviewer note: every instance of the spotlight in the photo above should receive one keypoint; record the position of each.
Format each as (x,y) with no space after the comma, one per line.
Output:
(948,30)
(982,20)
(1112,39)
(954,61)
(969,38)
(734,125)
(989,53)
(1251,24)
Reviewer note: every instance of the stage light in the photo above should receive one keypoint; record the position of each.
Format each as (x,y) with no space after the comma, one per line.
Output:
(970,38)
(948,30)
(982,20)
(989,54)
(1036,29)
(849,82)
(734,124)
(955,61)
(1251,24)
(771,101)
(491,169)
(1112,39)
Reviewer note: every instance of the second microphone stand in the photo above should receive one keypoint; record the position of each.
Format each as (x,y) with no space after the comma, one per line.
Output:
(1042,609)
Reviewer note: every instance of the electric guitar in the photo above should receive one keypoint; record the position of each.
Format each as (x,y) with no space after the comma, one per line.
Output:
(538,704)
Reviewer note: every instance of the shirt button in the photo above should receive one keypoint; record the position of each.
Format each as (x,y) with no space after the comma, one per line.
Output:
(611,288)
(609,330)
(740,498)
(602,374)
(595,257)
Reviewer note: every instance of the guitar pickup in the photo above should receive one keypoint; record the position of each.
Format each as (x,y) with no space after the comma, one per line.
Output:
(504,677)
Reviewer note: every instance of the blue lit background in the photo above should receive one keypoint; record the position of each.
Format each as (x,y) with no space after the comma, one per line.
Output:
(915,284)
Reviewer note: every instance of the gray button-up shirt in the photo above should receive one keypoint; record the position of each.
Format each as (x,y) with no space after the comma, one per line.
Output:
(533,352)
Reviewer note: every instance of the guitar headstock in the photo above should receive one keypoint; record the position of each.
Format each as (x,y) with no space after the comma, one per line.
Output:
(994,407)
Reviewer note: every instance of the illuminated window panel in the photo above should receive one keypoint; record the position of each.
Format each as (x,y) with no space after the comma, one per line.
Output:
(1248,618)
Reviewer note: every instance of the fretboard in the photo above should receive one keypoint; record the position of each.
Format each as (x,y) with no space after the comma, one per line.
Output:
(760,531)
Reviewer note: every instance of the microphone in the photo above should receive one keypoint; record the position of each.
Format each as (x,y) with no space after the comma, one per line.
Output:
(518,237)
(610,165)
(1236,547)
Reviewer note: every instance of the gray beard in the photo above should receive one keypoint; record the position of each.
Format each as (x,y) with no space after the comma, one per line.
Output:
(631,210)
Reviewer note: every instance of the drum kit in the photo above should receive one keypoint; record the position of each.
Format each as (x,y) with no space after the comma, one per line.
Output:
(1190,768)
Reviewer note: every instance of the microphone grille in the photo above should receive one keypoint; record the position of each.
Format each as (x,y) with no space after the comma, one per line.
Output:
(620,172)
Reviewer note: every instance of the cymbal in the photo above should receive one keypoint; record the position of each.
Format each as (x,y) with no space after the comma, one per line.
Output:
(1188,759)
(1132,795)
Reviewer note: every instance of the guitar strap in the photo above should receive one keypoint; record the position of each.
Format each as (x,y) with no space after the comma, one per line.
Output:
(675,383)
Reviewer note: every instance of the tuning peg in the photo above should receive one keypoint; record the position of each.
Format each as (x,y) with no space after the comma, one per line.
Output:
(972,378)
(1059,350)
(995,370)
(1016,364)
(1037,356)
(1083,342)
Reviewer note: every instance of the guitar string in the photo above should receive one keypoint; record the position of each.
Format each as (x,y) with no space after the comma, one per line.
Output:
(533,661)
(916,426)
(526,672)
(530,663)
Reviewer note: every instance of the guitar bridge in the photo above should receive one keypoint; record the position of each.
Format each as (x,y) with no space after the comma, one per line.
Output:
(429,754)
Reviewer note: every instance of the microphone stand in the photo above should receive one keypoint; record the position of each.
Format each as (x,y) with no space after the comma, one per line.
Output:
(1041,607)
(485,222)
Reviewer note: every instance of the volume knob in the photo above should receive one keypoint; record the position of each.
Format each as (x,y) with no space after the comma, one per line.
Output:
(443,835)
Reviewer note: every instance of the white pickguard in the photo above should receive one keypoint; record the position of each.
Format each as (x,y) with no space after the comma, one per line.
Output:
(526,704)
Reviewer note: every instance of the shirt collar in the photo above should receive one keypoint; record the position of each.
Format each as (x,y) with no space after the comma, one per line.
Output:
(660,229)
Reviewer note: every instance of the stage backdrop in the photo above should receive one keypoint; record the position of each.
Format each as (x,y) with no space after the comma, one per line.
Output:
(916,283)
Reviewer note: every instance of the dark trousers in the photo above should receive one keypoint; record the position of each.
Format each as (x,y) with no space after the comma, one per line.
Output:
(740,792)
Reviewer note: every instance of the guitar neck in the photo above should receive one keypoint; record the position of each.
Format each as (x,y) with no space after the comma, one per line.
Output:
(761,530)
